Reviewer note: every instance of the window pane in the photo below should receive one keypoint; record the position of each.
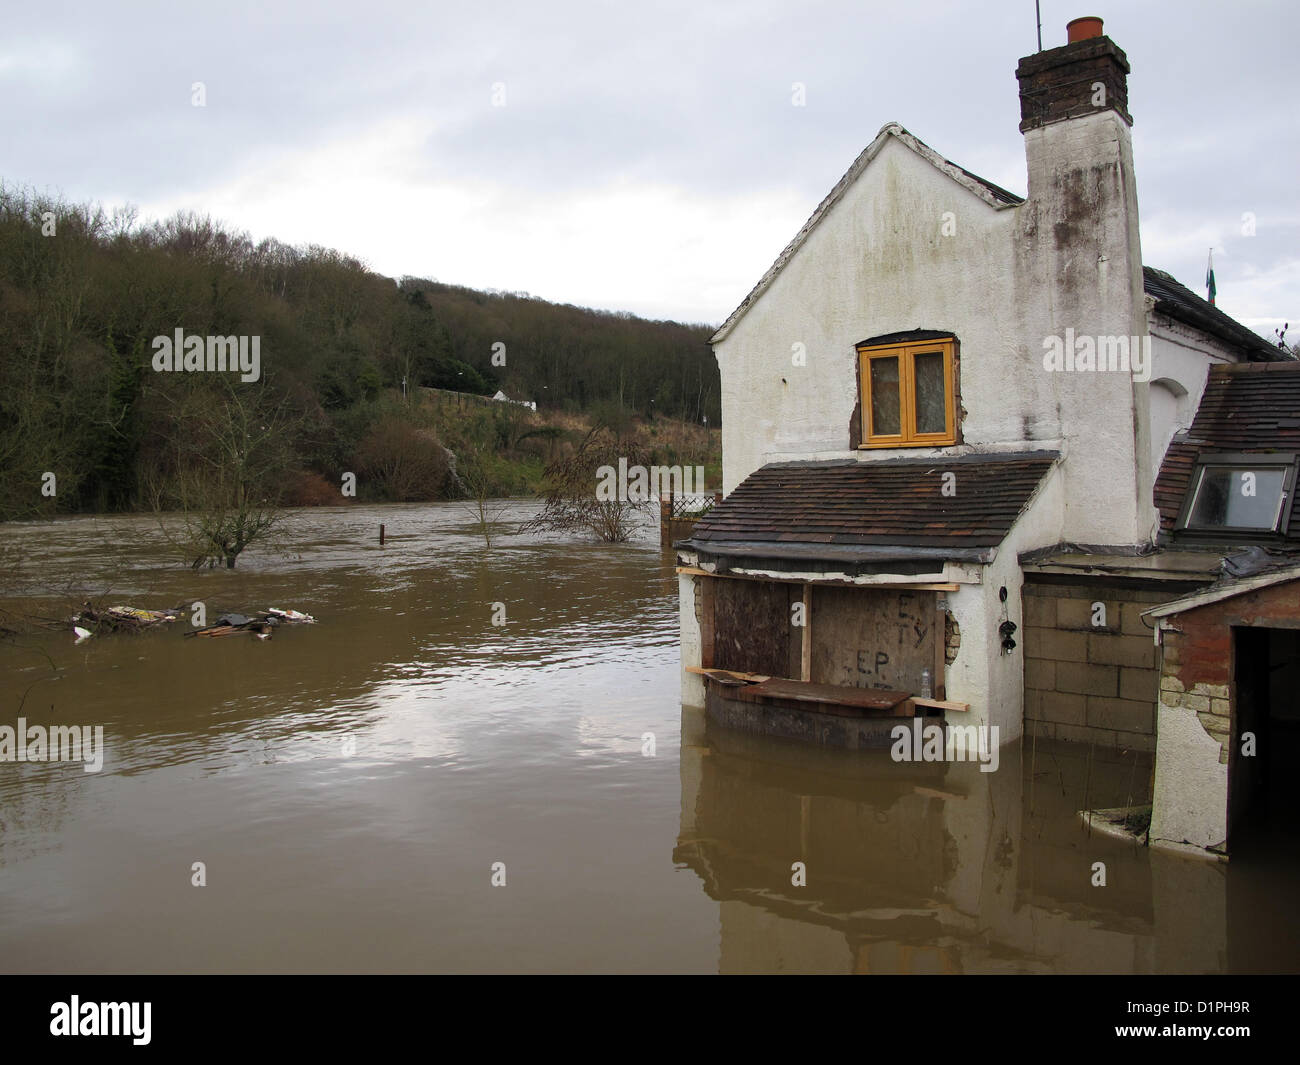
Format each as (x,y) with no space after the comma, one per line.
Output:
(1232,496)
(886,418)
(931,406)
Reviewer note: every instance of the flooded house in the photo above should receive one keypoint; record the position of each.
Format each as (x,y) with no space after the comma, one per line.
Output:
(962,472)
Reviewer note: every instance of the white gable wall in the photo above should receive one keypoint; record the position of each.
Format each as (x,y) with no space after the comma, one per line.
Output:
(1006,279)
(878,263)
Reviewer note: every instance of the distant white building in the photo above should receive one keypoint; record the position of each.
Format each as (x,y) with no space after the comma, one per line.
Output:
(501,397)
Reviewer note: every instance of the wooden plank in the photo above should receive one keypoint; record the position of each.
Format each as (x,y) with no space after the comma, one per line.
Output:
(794,666)
(707,635)
(717,674)
(940,653)
(799,691)
(948,586)
(805,656)
(940,704)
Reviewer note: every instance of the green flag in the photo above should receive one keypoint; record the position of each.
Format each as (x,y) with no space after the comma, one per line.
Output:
(1209,278)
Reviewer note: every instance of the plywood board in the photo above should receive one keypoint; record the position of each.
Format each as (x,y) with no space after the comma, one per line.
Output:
(873,637)
(751,628)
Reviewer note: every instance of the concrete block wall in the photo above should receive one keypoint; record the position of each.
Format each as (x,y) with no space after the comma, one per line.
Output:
(1090,683)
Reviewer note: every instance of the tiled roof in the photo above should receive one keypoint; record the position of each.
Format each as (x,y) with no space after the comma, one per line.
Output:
(1246,408)
(1183,305)
(896,502)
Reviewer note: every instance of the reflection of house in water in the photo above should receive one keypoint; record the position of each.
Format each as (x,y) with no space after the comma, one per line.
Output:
(930,868)
(946,504)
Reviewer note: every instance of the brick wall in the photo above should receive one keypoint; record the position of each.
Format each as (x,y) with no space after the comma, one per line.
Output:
(1197,661)
(1086,682)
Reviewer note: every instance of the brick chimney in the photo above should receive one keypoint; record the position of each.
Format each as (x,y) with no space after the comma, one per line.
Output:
(1079,78)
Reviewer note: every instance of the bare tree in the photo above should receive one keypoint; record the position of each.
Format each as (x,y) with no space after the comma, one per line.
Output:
(229,454)
(572,500)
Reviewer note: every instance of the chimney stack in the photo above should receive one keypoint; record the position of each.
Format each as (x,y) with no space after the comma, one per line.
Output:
(1087,75)
(1078,230)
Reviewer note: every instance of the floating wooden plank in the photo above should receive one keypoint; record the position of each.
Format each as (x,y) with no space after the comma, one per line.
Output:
(940,704)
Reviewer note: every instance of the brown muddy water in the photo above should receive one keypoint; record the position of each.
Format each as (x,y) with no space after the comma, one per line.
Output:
(350,785)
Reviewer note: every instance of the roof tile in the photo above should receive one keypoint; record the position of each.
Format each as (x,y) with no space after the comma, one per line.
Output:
(894,502)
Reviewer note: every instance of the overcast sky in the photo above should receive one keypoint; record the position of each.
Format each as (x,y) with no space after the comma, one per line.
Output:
(648,156)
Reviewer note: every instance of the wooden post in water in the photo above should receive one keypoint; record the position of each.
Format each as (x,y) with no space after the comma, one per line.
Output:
(381,535)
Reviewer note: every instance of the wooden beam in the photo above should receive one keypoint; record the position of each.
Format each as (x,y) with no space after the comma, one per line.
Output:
(940,704)
(707,632)
(736,674)
(878,699)
(695,571)
(907,708)
(940,652)
(805,656)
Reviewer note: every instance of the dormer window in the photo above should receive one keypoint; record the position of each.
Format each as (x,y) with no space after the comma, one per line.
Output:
(1239,494)
(909,396)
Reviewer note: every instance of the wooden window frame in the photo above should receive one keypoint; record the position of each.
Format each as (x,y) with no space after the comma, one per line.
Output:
(906,354)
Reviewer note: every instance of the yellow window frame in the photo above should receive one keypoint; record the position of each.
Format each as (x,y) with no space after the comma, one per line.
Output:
(906,355)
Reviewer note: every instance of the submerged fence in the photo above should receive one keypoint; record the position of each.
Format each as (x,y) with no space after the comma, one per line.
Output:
(679,513)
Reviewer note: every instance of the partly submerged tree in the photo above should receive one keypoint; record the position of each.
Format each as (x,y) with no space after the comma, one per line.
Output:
(479,469)
(227,456)
(577,490)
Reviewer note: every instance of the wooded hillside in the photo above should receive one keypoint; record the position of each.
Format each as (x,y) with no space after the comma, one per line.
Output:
(84,294)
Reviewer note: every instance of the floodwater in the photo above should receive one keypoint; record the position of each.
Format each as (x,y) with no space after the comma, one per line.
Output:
(350,787)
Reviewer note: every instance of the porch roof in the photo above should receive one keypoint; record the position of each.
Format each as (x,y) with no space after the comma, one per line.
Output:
(834,509)
(1224,589)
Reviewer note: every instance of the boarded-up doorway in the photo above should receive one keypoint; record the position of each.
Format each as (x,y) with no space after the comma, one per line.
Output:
(875,638)
(752,627)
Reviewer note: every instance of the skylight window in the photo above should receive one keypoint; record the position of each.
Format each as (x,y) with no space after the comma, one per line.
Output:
(1240,494)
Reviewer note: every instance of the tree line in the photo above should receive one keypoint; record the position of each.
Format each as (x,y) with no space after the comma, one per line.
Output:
(88,424)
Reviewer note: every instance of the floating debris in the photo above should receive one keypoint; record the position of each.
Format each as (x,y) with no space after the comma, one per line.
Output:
(260,625)
(293,616)
(93,619)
